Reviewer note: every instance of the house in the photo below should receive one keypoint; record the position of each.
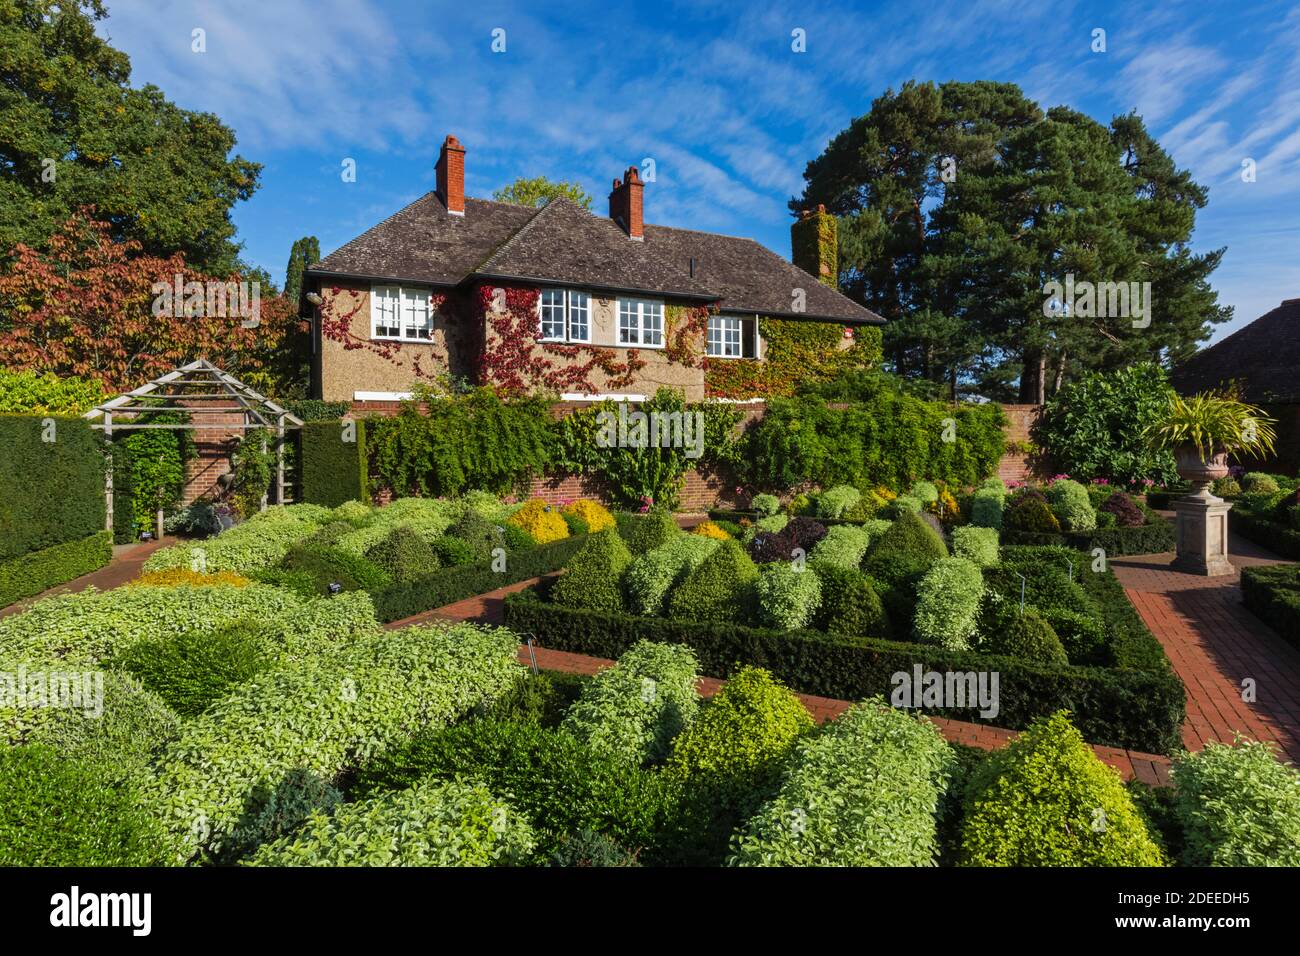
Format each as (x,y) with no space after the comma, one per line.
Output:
(1262,361)
(555,298)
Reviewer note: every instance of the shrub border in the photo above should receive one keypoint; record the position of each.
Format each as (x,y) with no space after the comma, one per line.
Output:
(1135,708)
(1273,600)
(1274,535)
(1154,537)
(38,571)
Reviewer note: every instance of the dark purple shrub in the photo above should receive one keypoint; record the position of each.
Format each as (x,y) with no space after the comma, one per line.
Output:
(1127,514)
(804,532)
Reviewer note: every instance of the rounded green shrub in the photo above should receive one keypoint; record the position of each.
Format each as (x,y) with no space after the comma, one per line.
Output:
(986,508)
(1105,520)
(844,545)
(1083,636)
(719,589)
(904,504)
(833,502)
(765,505)
(651,576)
(948,604)
(850,606)
(644,533)
(590,848)
(976,544)
(190,671)
(1027,637)
(862,792)
(632,711)
(993,483)
(773,522)
(1030,512)
(1259,482)
(1239,806)
(786,596)
(563,785)
(577,523)
(926,492)
(404,555)
(59,810)
(1226,487)
(593,579)
(435,823)
(480,533)
(1070,503)
(909,547)
(335,565)
(1046,799)
(452,552)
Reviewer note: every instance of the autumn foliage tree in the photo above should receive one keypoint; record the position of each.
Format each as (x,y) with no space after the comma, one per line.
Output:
(84,305)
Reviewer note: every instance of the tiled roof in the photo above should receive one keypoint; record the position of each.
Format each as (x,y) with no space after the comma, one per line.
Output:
(565,244)
(1263,357)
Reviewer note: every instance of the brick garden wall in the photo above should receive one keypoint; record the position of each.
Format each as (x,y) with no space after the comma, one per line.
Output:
(1014,466)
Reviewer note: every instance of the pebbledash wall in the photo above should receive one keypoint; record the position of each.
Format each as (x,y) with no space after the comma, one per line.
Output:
(704,489)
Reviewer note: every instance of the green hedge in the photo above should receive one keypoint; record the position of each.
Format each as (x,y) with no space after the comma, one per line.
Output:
(40,570)
(448,585)
(333,470)
(1138,709)
(1277,537)
(316,410)
(1155,537)
(51,492)
(1272,593)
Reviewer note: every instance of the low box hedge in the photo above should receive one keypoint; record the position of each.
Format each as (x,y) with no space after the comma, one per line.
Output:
(1155,537)
(41,570)
(448,585)
(1134,707)
(1281,539)
(1272,593)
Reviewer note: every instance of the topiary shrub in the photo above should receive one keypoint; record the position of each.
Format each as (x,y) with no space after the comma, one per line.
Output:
(976,544)
(1126,513)
(336,566)
(589,848)
(775,522)
(644,533)
(844,545)
(863,792)
(404,555)
(849,606)
(1105,520)
(986,508)
(592,581)
(483,535)
(595,514)
(192,670)
(1026,637)
(450,551)
(1031,512)
(1239,806)
(1226,487)
(717,590)
(434,823)
(833,502)
(574,522)
(804,533)
(632,711)
(904,504)
(948,604)
(1046,799)
(1071,505)
(993,483)
(59,810)
(868,507)
(728,761)
(909,547)
(174,577)
(785,596)
(926,492)
(541,521)
(764,505)
(710,529)
(766,546)
(651,576)
(1259,482)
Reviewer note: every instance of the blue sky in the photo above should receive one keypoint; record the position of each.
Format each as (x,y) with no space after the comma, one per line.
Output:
(715,95)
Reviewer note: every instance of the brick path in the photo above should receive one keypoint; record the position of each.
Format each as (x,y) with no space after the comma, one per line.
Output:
(124,567)
(489,609)
(1214,644)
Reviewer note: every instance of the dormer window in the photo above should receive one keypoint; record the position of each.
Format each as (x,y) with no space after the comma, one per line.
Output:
(641,323)
(565,315)
(397,312)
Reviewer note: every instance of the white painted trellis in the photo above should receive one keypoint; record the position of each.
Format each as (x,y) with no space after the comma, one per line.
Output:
(199,380)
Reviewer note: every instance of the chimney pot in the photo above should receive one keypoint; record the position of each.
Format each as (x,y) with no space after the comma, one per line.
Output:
(451,175)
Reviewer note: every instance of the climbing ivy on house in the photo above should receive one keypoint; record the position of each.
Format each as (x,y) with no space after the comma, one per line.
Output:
(795,353)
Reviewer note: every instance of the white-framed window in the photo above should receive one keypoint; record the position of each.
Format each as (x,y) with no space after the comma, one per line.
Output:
(565,315)
(397,312)
(730,336)
(641,322)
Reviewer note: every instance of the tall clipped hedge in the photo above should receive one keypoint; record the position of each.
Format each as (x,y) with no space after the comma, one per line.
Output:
(885,437)
(333,470)
(51,491)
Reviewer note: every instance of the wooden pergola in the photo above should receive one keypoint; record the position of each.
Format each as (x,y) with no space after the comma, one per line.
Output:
(199,381)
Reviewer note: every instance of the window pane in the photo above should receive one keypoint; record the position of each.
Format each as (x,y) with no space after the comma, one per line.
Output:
(628,321)
(653,324)
(384,311)
(578,317)
(417,323)
(552,309)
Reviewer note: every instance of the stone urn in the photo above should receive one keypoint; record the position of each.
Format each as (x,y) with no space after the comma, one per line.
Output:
(1202,517)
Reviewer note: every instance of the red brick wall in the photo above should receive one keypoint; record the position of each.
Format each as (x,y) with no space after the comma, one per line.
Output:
(213,449)
(1014,465)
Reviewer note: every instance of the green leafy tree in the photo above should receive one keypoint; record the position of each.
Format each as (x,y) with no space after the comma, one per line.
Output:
(74,133)
(539,190)
(959,202)
(305,251)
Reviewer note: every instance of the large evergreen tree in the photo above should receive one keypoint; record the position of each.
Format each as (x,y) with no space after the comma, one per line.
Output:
(960,202)
(74,133)
(304,252)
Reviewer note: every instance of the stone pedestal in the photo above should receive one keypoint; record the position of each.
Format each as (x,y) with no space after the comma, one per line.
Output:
(1202,534)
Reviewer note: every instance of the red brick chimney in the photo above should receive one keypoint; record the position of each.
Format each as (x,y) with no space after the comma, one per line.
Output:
(451,175)
(625,203)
